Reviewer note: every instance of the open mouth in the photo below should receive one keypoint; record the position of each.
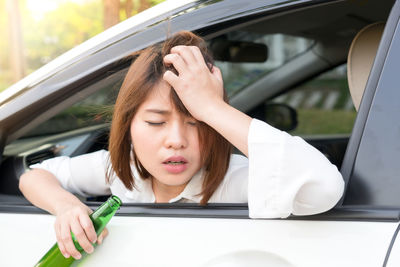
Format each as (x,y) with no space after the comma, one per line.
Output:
(175,162)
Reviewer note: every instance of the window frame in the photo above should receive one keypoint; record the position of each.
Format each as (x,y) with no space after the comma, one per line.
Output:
(57,91)
(359,169)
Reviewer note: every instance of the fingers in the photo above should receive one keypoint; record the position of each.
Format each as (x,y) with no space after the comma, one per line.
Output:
(172,79)
(187,60)
(81,237)
(75,220)
(186,57)
(217,73)
(88,227)
(177,61)
(102,236)
(187,53)
(198,56)
(66,240)
(59,241)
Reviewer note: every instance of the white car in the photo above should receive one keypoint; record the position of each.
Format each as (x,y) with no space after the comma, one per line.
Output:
(289,69)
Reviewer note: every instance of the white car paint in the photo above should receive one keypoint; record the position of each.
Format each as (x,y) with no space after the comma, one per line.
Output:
(161,241)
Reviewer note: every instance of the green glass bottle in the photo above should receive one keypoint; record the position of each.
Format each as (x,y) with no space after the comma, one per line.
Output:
(100,217)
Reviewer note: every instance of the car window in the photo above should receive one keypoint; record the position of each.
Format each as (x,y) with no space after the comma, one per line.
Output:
(323,104)
(96,109)
(281,49)
(91,110)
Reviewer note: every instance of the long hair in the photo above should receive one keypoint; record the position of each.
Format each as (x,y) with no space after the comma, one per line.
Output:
(144,74)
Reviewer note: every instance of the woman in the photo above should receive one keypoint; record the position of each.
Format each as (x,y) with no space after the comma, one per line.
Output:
(170,141)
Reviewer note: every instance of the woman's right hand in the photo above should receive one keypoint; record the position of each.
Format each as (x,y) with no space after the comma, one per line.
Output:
(75,219)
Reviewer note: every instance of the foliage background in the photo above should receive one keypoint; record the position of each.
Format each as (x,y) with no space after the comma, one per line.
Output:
(52,27)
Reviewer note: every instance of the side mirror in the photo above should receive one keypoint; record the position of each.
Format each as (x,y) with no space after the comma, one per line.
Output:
(238,51)
(278,115)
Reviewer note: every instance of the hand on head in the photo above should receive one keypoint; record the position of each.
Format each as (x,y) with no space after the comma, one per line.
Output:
(197,87)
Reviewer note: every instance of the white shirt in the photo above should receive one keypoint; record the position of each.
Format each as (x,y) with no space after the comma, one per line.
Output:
(283,175)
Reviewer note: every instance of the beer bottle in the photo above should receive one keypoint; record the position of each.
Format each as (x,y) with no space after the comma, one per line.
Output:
(100,217)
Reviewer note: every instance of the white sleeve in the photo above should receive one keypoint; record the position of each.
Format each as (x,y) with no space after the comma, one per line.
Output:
(288,176)
(84,175)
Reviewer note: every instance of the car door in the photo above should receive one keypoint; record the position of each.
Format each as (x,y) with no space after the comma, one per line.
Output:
(374,150)
(187,234)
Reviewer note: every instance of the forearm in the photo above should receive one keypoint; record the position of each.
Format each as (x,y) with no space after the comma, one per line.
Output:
(230,123)
(43,190)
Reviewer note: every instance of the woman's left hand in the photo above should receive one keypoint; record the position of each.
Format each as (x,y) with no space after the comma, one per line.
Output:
(200,90)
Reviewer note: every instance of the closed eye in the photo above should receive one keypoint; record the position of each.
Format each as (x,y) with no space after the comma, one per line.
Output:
(153,123)
(192,123)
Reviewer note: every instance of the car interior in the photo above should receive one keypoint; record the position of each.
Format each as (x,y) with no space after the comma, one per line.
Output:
(275,68)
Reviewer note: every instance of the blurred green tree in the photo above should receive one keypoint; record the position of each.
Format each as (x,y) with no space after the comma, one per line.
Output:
(60,29)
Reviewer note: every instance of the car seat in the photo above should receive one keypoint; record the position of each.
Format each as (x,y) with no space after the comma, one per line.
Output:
(360,59)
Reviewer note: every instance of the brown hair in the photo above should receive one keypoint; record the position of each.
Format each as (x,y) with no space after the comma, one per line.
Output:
(143,75)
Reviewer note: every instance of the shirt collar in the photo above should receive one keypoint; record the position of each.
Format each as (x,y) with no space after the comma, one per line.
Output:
(143,191)
(192,190)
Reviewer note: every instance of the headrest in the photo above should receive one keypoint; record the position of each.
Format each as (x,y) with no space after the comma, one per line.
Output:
(360,59)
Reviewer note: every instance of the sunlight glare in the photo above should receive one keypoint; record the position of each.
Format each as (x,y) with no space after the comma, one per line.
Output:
(39,8)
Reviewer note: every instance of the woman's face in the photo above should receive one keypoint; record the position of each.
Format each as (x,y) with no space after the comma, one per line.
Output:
(165,141)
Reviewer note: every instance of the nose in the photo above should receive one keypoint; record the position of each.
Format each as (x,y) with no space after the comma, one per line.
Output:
(176,136)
